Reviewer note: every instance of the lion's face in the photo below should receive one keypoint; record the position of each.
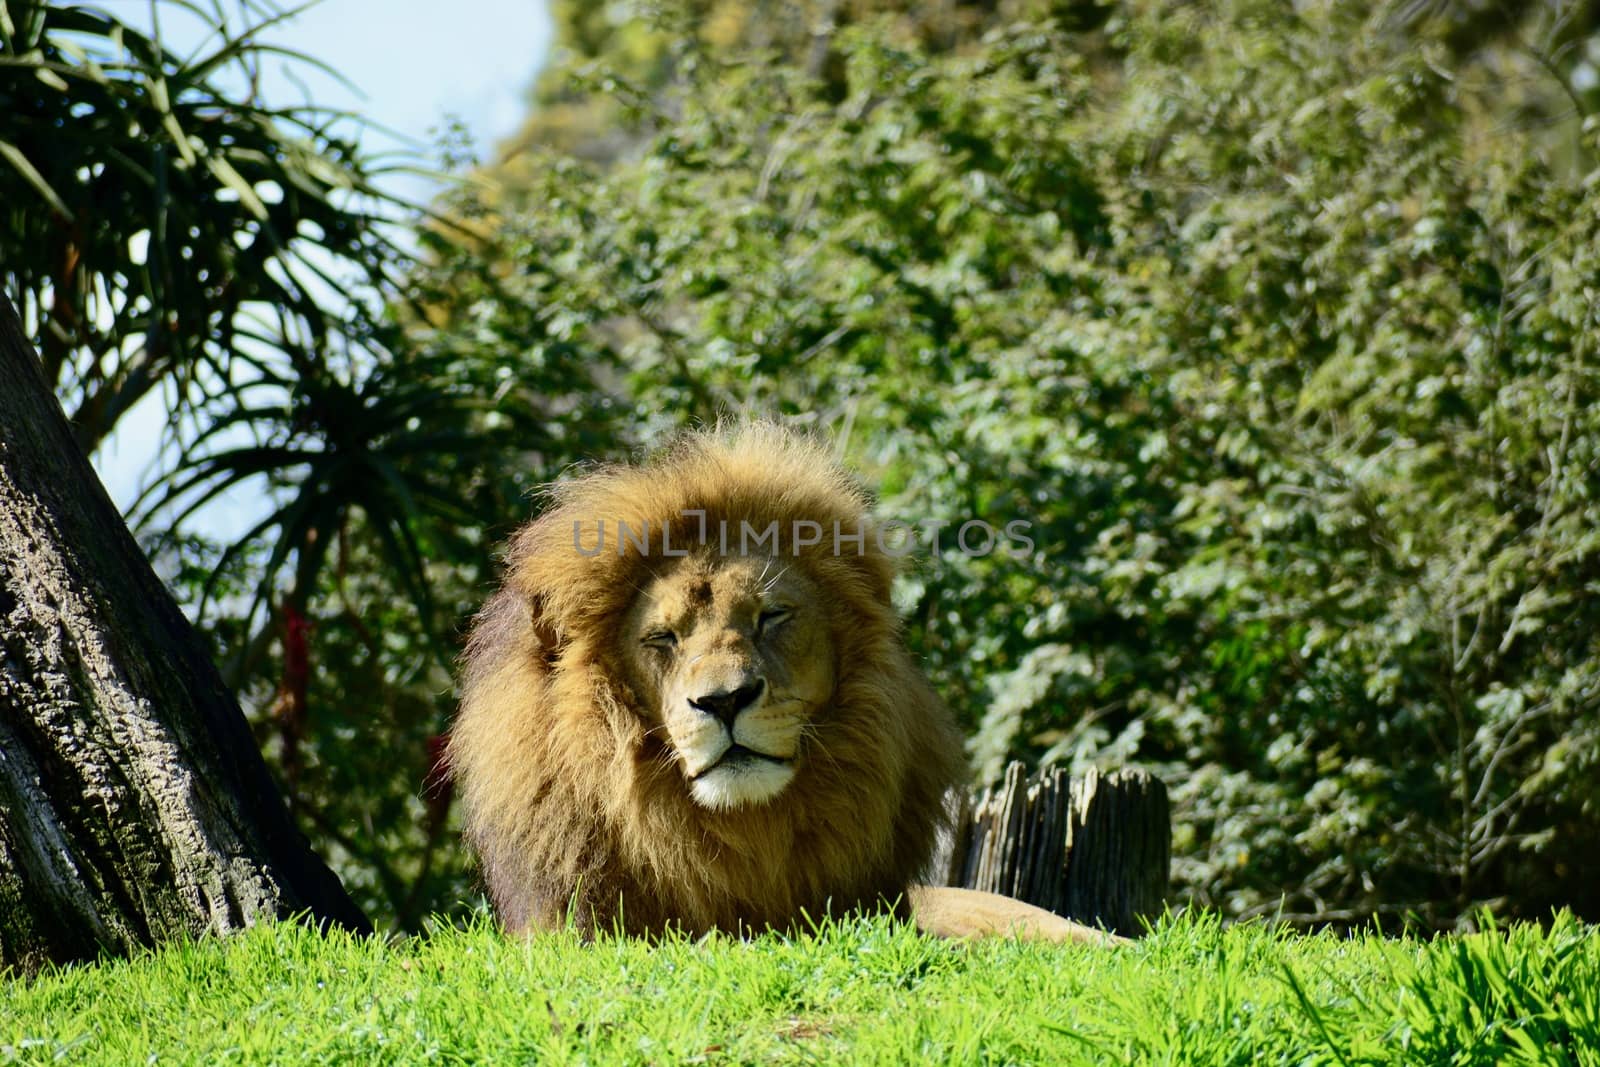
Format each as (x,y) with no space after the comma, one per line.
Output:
(730,659)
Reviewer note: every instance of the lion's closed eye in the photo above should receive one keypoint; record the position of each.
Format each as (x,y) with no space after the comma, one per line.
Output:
(770,619)
(664,640)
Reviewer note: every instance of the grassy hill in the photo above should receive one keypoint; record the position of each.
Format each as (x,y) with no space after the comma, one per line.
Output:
(857,992)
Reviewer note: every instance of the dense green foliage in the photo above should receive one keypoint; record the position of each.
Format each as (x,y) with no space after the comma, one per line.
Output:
(1284,349)
(644,42)
(856,992)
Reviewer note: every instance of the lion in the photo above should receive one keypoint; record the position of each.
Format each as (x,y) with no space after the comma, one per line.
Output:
(690,706)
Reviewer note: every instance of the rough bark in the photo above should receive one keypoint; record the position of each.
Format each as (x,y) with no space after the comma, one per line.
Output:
(1095,849)
(134,804)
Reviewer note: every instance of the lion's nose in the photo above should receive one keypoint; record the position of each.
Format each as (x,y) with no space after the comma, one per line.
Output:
(728,703)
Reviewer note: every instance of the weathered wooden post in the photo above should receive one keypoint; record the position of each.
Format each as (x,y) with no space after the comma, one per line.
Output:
(1095,849)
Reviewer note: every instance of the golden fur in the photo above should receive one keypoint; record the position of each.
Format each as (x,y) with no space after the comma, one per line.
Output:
(583,742)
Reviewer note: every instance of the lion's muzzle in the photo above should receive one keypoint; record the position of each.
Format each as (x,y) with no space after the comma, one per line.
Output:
(738,748)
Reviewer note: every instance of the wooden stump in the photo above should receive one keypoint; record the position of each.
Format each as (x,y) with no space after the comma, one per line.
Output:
(1095,849)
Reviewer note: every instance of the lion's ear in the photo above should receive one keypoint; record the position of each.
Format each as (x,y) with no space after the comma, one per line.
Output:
(542,628)
(512,628)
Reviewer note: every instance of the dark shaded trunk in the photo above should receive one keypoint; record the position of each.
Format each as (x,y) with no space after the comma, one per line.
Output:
(134,805)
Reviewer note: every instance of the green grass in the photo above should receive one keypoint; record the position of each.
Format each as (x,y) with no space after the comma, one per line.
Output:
(858,992)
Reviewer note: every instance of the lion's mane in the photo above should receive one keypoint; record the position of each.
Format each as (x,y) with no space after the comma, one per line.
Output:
(569,804)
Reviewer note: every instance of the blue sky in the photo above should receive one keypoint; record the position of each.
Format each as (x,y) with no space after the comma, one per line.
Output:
(412,64)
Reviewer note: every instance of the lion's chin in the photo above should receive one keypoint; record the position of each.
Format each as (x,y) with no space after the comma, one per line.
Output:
(741,783)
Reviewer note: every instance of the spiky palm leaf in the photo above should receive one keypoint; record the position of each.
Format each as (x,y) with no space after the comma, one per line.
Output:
(148,214)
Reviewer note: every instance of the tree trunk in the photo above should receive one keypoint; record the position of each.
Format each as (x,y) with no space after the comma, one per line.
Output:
(134,805)
(1094,849)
